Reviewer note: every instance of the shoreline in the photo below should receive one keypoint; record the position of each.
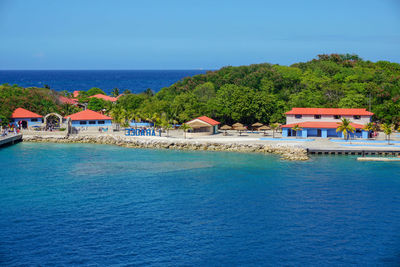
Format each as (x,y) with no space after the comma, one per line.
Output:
(286,152)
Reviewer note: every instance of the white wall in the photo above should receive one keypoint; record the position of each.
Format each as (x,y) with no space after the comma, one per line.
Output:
(326,118)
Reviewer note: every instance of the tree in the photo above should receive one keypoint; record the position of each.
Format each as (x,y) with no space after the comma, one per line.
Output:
(370,127)
(148,92)
(297,128)
(345,127)
(274,126)
(166,126)
(388,130)
(96,104)
(115,92)
(95,91)
(185,128)
(119,115)
(204,92)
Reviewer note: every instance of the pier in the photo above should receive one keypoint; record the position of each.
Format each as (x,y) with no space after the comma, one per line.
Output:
(365,152)
(10,139)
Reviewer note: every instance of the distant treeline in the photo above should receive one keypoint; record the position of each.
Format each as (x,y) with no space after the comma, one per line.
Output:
(255,93)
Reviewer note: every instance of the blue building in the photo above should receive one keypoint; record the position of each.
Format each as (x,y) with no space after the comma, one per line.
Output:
(89,118)
(25,118)
(323,122)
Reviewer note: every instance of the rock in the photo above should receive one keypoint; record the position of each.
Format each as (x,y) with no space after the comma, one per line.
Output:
(286,152)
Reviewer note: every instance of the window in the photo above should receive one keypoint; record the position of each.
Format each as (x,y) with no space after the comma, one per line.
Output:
(337,117)
(100,122)
(357,117)
(298,116)
(92,122)
(34,119)
(82,122)
(317,117)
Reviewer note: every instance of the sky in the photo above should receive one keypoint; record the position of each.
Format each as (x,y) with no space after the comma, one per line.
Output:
(206,34)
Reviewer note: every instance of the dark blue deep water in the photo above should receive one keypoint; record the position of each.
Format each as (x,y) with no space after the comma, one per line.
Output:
(81,204)
(135,80)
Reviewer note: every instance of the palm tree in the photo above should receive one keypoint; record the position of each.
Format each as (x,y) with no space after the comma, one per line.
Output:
(345,127)
(369,127)
(274,126)
(155,119)
(185,127)
(296,128)
(388,130)
(119,115)
(115,92)
(167,126)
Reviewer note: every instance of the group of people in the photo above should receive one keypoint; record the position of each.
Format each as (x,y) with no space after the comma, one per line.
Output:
(6,130)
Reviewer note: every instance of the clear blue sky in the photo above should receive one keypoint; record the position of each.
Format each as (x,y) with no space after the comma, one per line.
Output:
(168,34)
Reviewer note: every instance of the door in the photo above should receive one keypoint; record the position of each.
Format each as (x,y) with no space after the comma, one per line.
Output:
(319,133)
(24,124)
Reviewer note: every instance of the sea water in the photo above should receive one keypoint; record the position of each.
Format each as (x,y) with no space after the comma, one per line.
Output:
(135,80)
(80,204)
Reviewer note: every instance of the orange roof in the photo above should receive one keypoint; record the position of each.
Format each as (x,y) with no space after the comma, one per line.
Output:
(330,111)
(88,115)
(105,97)
(21,113)
(76,93)
(207,120)
(322,125)
(66,100)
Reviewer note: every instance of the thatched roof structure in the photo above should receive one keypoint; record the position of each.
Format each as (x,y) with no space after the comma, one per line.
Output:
(240,128)
(257,124)
(238,124)
(264,128)
(225,127)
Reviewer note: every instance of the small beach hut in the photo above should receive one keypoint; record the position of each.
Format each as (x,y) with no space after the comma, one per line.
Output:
(202,126)
(26,118)
(225,128)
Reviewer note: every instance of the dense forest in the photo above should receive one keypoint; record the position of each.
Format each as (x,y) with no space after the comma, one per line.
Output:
(248,94)
(263,92)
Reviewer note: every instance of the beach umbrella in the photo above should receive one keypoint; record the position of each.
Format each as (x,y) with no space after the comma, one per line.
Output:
(238,124)
(257,124)
(264,128)
(240,129)
(225,128)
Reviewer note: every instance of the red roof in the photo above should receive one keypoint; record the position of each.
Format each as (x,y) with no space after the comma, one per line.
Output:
(105,97)
(207,120)
(76,93)
(88,115)
(66,100)
(322,125)
(21,113)
(330,111)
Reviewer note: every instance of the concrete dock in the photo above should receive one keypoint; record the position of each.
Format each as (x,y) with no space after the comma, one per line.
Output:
(364,152)
(378,159)
(10,139)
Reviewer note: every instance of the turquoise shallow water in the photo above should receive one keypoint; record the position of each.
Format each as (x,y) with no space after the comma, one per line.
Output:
(106,205)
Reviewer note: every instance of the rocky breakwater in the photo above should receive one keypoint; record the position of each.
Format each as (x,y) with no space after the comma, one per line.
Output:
(286,152)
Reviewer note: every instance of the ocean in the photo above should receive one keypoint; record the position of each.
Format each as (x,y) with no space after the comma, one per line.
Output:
(135,80)
(81,204)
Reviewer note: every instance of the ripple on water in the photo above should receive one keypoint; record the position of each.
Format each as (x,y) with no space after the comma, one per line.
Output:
(106,205)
